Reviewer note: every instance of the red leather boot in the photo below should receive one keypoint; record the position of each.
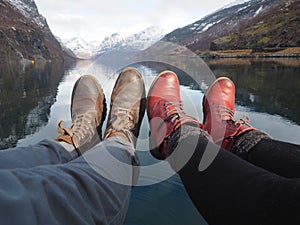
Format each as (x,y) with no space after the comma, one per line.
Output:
(165,112)
(218,110)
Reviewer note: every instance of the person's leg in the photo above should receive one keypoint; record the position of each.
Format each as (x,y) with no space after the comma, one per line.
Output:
(275,156)
(88,110)
(242,139)
(231,190)
(92,189)
(45,152)
(227,189)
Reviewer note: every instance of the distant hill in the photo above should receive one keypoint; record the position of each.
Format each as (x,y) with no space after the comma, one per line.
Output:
(25,34)
(254,24)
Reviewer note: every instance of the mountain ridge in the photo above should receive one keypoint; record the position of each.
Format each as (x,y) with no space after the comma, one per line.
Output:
(230,20)
(273,29)
(135,42)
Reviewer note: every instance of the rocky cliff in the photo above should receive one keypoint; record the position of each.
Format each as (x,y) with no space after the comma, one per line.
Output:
(24,33)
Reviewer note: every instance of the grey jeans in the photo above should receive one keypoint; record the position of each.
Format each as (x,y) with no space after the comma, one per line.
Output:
(44,184)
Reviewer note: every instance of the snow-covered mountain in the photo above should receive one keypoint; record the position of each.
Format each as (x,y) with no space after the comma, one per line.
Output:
(135,42)
(237,2)
(81,48)
(200,34)
(29,10)
(144,39)
(109,43)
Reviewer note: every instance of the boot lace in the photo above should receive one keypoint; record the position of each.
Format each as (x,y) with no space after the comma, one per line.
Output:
(124,119)
(174,111)
(82,126)
(228,115)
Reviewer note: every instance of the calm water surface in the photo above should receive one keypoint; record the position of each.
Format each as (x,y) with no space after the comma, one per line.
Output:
(34,98)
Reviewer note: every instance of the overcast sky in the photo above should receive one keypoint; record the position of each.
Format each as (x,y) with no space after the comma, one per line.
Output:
(96,19)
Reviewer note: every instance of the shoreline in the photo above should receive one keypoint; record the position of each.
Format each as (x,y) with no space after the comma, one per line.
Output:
(284,61)
(250,53)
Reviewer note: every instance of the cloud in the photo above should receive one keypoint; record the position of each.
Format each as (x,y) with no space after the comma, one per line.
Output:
(69,17)
(99,18)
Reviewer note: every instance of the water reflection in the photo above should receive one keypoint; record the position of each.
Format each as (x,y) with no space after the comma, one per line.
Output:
(265,86)
(266,90)
(27,93)
(34,99)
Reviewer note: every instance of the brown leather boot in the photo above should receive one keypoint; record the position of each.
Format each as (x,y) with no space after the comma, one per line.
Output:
(88,111)
(218,110)
(127,106)
(165,112)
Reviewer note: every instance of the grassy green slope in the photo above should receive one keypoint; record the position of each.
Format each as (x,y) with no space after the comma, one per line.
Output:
(279,27)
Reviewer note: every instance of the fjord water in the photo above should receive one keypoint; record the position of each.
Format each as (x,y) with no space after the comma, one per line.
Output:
(34,98)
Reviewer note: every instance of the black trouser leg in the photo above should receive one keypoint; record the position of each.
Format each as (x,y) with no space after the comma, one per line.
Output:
(278,157)
(233,191)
